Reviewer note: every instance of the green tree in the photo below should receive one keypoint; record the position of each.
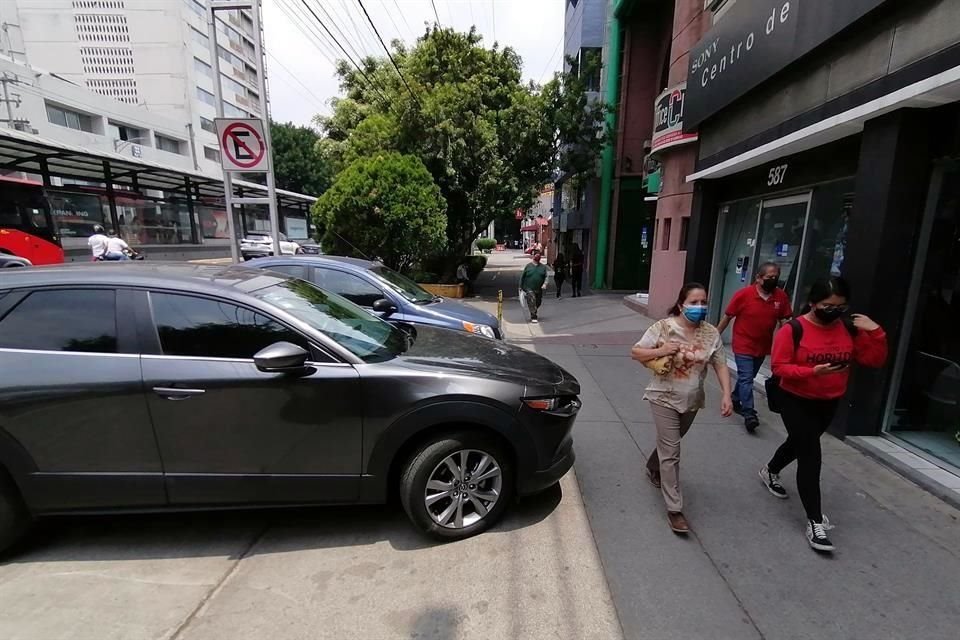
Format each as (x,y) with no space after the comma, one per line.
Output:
(488,140)
(298,164)
(385,205)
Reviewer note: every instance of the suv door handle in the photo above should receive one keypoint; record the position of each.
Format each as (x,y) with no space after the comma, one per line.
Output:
(175,393)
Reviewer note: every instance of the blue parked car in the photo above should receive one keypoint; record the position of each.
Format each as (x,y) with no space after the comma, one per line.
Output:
(389,294)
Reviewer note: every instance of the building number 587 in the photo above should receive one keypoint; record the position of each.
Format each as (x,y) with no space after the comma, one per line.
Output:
(777,175)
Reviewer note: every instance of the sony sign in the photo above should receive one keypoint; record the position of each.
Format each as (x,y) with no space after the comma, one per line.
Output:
(753,41)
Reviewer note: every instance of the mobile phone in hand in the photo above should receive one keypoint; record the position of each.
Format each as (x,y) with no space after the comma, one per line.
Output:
(839,366)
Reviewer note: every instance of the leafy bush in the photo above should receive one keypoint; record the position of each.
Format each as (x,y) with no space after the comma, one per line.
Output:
(486,244)
(475,265)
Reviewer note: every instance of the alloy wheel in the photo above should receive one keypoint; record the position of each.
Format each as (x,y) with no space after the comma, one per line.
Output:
(463,488)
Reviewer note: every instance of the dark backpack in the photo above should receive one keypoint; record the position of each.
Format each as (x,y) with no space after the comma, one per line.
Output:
(772,385)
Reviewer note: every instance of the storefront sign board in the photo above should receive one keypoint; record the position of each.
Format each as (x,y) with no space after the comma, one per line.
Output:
(754,41)
(668,120)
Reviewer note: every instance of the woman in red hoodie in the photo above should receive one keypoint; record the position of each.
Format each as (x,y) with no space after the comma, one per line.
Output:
(812,356)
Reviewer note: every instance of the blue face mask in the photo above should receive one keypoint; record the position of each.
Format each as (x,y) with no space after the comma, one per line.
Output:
(695,314)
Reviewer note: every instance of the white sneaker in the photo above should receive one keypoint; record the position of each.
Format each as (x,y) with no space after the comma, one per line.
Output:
(535,321)
(772,482)
(817,537)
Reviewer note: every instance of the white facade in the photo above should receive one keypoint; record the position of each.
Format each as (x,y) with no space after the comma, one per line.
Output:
(150,55)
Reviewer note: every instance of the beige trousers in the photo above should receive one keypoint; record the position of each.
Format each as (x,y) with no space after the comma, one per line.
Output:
(665,459)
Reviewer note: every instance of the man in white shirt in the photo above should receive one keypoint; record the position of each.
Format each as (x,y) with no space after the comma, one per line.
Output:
(98,242)
(117,249)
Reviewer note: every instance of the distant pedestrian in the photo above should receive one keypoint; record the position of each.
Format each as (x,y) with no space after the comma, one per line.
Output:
(812,356)
(576,271)
(686,345)
(559,272)
(532,283)
(463,277)
(755,311)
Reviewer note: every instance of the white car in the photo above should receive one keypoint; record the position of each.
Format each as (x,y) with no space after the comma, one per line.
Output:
(258,245)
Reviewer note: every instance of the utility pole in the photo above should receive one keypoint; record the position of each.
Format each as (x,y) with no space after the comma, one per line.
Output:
(7,80)
(271,200)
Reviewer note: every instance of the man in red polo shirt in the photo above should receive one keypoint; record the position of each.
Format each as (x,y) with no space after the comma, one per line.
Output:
(758,309)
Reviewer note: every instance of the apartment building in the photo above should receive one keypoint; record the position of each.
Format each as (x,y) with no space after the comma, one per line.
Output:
(150,53)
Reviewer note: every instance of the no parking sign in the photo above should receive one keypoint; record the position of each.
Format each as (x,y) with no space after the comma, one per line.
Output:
(243,147)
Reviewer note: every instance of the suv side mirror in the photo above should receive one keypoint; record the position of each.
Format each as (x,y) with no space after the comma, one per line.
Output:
(281,357)
(384,306)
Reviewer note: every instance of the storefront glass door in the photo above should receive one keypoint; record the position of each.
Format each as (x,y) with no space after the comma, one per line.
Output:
(926,409)
(752,232)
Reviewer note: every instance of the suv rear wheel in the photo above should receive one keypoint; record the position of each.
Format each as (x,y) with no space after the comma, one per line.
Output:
(457,486)
(14,518)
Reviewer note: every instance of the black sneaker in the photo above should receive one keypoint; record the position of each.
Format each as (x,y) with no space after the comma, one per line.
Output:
(772,482)
(817,536)
(737,409)
(751,423)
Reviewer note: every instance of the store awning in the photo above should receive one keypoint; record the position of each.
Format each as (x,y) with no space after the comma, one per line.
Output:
(21,151)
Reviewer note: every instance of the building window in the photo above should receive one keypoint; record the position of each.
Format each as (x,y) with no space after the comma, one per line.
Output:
(233,112)
(211,154)
(590,65)
(684,232)
(197,7)
(200,38)
(202,67)
(229,84)
(70,119)
(207,125)
(170,145)
(665,240)
(126,132)
(207,97)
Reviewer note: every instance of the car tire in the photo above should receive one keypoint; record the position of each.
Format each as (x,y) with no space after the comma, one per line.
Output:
(428,508)
(14,517)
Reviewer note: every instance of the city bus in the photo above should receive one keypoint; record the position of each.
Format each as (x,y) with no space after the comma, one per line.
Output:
(27,227)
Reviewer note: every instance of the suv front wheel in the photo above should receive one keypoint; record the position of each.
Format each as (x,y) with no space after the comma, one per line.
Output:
(457,486)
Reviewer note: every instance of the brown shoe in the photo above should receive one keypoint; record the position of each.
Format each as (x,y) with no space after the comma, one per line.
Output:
(678,523)
(654,478)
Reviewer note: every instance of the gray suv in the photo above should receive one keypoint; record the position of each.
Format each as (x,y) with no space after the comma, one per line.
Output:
(165,387)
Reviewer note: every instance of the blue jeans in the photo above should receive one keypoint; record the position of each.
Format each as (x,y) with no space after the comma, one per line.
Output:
(747,369)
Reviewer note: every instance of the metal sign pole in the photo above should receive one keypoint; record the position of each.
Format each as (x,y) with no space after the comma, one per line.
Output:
(265,111)
(218,92)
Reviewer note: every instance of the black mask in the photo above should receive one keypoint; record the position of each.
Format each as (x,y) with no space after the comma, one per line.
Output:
(768,285)
(827,316)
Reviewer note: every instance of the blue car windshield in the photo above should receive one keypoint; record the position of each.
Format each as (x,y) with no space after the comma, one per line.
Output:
(361,333)
(402,285)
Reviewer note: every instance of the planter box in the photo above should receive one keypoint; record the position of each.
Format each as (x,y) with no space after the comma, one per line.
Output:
(444,290)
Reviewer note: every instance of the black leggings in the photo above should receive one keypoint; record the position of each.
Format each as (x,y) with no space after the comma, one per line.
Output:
(805,420)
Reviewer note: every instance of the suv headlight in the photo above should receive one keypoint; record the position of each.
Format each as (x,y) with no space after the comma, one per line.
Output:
(484,330)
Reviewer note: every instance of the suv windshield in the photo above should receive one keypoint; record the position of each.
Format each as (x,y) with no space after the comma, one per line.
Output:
(363,334)
(403,285)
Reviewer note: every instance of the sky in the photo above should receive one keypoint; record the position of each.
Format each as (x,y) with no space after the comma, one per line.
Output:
(300,68)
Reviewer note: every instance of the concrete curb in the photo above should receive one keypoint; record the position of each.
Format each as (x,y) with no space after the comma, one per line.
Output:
(886,458)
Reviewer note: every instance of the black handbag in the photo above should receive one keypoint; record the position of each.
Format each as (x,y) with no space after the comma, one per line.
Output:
(772,386)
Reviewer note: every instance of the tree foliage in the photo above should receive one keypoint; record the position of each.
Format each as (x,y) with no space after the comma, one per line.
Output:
(298,164)
(385,205)
(488,140)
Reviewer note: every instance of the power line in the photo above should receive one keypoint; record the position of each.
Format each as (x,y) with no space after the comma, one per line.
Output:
(434,5)
(362,34)
(559,43)
(319,102)
(337,42)
(389,55)
(404,18)
(310,33)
